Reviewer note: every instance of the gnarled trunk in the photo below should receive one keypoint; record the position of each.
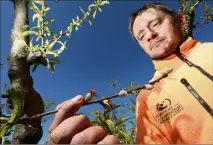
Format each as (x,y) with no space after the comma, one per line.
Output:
(29,132)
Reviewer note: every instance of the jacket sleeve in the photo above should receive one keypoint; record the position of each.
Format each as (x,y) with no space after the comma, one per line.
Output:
(147,131)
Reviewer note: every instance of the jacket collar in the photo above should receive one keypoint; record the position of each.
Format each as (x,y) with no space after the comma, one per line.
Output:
(185,48)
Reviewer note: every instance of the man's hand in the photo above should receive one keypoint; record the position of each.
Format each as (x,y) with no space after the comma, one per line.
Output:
(76,129)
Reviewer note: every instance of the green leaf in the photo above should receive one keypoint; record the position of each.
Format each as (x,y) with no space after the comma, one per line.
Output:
(105,2)
(50,46)
(47,62)
(90,23)
(37,38)
(113,84)
(49,22)
(131,86)
(73,21)
(35,1)
(33,28)
(36,16)
(100,10)
(70,28)
(30,32)
(132,108)
(39,23)
(52,65)
(125,136)
(52,53)
(120,121)
(54,60)
(31,43)
(35,8)
(47,9)
(110,124)
(96,122)
(49,32)
(105,126)
(90,6)
(82,10)
(85,14)
(63,46)
(48,104)
(96,112)
(94,14)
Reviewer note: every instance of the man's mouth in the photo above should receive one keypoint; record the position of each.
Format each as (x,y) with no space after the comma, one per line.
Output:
(157,43)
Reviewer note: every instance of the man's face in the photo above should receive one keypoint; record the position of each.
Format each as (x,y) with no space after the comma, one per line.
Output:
(156,33)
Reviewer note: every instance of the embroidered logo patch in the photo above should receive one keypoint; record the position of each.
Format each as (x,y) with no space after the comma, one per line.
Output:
(167,110)
(161,106)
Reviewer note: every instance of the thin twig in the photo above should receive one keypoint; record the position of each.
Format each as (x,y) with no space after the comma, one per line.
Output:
(99,100)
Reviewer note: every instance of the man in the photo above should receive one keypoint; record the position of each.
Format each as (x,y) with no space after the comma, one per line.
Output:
(168,113)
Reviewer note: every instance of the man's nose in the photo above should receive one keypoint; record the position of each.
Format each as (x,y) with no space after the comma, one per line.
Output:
(151,35)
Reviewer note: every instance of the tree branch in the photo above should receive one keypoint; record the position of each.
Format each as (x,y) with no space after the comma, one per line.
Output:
(129,92)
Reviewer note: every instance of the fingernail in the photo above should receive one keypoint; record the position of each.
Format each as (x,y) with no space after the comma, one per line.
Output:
(77,98)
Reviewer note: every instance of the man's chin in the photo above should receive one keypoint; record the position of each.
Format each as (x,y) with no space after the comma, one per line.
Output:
(160,56)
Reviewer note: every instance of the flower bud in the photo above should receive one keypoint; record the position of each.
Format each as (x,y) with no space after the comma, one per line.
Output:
(167,70)
(148,86)
(88,97)
(123,93)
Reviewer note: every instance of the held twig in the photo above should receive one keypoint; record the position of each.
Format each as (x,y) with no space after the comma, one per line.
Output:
(100,100)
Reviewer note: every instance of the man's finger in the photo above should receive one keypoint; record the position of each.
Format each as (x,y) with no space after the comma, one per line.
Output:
(67,110)
(63,133)
(110,139)
(60,105)
(91,135)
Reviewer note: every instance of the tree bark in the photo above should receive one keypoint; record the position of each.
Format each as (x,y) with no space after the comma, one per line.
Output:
(29,132)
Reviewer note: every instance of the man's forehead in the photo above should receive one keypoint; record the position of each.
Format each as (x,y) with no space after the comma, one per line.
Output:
(151,14)
(146,16)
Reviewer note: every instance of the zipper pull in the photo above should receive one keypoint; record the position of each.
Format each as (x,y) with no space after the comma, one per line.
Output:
(197,96)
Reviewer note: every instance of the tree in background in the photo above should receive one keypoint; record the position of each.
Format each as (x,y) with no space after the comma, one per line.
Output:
(37,46)
(34,46)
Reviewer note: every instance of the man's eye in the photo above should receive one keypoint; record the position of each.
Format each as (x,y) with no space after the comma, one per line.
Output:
(141,36)
(155,24)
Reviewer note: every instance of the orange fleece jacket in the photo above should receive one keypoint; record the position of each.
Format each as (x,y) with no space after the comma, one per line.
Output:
(169,113)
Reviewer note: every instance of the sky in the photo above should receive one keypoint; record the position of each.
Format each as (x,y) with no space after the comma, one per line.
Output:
(95,55)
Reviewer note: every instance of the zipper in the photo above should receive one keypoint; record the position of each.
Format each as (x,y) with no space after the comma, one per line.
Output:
(190,64)
(190,88)
(197,96)
(184,60)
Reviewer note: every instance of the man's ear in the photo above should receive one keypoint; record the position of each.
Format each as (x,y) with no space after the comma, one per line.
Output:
(182,21)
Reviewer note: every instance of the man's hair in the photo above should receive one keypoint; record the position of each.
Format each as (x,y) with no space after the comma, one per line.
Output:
(157,6)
